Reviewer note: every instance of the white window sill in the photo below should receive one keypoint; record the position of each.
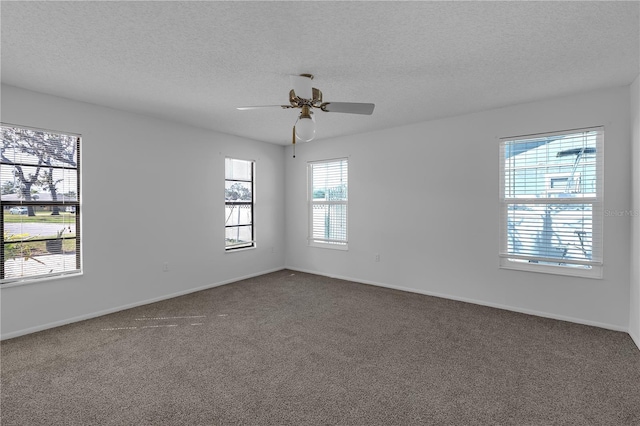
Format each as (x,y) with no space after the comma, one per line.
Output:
(595,272)
(226,250)
(39,280)
(343,247)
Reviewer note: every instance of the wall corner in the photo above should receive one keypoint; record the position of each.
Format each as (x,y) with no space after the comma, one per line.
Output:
(634,287)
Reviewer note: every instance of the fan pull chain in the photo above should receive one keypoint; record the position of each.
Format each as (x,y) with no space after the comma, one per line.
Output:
(293,141)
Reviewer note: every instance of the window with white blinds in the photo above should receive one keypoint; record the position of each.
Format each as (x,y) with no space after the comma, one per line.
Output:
(238,204)
(328,197)
(551,191)
(40,200)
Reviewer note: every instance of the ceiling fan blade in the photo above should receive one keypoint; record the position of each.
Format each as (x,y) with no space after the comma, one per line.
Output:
(348,107)
(244,108)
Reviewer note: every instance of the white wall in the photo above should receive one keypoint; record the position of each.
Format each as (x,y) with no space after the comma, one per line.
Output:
(447,243)
(151,193)
(447,170)
(634,310)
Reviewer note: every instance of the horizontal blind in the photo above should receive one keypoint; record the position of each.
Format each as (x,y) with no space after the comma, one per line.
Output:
(40,199)
(551,198)
(328,201)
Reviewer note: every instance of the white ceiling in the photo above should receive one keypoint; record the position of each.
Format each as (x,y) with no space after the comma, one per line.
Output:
(195,62)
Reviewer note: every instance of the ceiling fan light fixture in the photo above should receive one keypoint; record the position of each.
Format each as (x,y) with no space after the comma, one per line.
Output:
(305,126)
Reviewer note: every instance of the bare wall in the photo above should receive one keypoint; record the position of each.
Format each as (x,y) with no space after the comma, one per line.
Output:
(152,192)
(444,239)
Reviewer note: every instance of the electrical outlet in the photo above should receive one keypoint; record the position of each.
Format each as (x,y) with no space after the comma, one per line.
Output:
(377,258)
(165,267)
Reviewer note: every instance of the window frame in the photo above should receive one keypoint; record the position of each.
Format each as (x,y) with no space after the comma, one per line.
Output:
(64,204)
(340,244)
(593,268)
(250,244)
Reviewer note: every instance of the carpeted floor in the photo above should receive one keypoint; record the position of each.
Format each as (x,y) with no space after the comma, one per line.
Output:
(290,348)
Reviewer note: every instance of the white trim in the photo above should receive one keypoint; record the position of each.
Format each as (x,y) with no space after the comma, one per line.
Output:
(129,306)
(474,301)
(38,279)
(552,201)
(555,133)
(508,256)
(595,272)
(326,245)
(328,160)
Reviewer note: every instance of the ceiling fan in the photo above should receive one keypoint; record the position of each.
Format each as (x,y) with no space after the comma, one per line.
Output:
(306,98)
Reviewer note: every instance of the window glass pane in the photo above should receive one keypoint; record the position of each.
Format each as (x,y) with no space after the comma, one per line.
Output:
(239,235)
(238,169)
(41,224)
(30,183)
(238,214)
(559,231)
(329,221)
(59,185)
(30,259)
(330,180)
(41,244)
(561,166)
(26,146)
(238,191)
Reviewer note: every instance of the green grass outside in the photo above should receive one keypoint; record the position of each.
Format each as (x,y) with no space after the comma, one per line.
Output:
(40,217)
(30,249)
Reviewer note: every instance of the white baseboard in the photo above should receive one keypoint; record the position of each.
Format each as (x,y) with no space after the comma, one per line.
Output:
(128,306)
(475,302)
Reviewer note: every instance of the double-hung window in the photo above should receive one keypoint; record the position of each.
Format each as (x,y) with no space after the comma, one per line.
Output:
(551,193)
(40,203)
(238,204)
(328,197)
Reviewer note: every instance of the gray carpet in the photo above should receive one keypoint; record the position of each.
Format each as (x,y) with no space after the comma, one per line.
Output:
(290,348)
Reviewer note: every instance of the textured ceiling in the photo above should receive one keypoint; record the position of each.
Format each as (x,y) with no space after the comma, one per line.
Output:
(194,62)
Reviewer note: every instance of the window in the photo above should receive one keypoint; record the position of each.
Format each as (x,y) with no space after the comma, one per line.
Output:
(40,199)
(328,197)
(551,199)
(238,204)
